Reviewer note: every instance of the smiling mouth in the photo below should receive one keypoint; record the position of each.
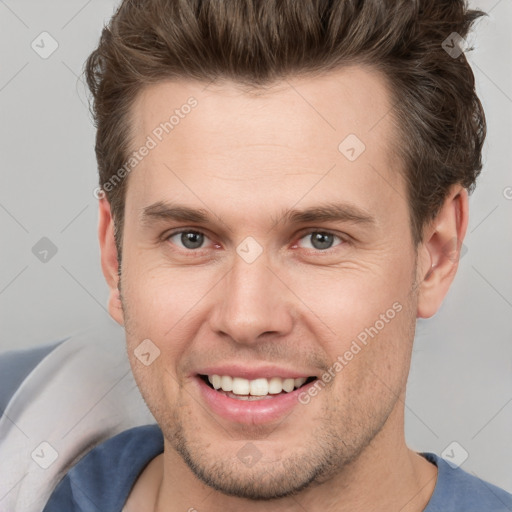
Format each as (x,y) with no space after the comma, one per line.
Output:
(257,389)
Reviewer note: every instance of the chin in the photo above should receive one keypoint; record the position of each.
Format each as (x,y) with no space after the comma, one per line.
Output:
(238,468)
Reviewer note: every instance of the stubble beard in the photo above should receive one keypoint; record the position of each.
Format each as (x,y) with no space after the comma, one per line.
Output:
(326,453)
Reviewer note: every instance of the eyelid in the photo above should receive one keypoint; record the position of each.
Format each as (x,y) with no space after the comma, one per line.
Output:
(168,234)
(345,239)
(327,231)
(307,231)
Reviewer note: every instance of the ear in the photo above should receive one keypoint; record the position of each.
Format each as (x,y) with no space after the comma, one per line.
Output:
(438,256)
(109,263)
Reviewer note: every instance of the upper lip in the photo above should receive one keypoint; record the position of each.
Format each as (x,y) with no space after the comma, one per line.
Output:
(251,373)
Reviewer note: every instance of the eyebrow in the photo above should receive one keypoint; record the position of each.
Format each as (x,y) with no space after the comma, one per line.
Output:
(330,212)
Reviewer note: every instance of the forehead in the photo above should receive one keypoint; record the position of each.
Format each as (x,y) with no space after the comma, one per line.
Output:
(239,141)
(354,99)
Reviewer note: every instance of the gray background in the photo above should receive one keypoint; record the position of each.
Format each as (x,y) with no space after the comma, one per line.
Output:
(460,387)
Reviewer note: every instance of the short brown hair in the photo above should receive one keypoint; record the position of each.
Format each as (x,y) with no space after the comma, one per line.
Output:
(440,120)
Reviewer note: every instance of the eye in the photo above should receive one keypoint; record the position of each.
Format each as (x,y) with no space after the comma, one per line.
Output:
(320,240)
(190,240)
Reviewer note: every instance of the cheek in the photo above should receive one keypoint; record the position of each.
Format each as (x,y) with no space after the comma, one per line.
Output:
(159,297)
(343,302)
(366,326)
(375,361)
(165,305)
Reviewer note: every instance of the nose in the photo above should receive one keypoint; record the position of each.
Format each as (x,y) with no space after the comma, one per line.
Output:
(253,303)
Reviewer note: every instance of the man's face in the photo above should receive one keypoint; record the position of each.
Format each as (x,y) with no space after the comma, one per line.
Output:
(253,292)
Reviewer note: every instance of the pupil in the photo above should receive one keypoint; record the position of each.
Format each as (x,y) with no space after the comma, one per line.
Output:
(191,239)
(321,240)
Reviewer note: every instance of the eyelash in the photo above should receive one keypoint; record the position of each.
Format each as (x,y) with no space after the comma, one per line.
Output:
(343,239)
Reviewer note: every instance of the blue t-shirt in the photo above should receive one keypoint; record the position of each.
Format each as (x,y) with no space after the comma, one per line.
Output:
(102,480)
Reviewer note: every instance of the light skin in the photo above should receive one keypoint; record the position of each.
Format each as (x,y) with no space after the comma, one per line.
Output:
(245,159)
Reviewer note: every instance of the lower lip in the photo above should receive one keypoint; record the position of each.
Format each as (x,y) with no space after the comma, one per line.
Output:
(250,412)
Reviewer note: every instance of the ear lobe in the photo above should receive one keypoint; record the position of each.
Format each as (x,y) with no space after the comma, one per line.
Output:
(109,261)
(440,251)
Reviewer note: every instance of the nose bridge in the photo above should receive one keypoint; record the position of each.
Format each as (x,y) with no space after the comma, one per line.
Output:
(253,301)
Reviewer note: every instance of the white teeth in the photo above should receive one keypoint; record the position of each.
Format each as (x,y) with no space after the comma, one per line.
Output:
(275,385)
(226,383)
(259,387)
(298,382)
(256,387)
(288,385)
(216,381)
(240,386)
